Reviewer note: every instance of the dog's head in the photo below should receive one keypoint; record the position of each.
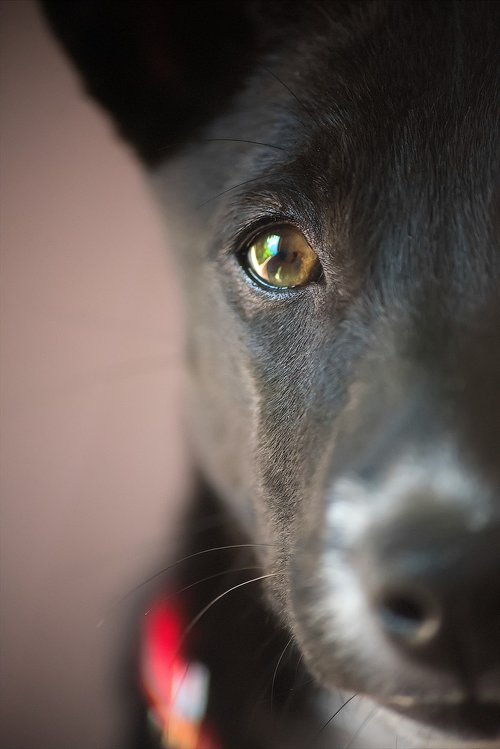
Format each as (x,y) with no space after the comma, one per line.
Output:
(329,176)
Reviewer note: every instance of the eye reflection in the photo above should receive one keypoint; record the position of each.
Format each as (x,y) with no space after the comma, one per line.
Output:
(283,258)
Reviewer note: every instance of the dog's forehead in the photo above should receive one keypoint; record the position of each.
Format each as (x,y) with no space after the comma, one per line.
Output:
(392,110)
(396,49)
(418,77)
(379,123)
(385,96)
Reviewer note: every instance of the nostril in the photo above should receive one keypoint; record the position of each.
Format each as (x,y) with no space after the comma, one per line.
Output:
(403,612)
(409,616)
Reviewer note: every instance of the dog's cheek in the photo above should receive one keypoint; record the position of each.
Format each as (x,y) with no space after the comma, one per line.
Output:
(294,426)
(221,408)
(222,399)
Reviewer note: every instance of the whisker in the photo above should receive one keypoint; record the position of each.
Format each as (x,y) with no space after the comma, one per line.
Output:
(299,661)
(306,682)
(332,718)
(299,102)
(206,608)
(202,613)
(291,691)
(164,570)
(211,550)
(291,111)
(363,725)
(242,140)
(224,192)
(258,699)
(277,668)
(205,580)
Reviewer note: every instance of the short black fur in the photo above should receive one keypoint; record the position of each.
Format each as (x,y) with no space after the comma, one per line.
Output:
(350,427)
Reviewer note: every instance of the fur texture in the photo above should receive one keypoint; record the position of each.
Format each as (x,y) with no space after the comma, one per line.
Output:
(351,426)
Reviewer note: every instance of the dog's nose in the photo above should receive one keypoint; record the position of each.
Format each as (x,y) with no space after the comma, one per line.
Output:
(434,587)
(410,615)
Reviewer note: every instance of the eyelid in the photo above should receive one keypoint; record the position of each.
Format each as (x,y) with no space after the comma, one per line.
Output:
(247,236)
(273,293)
(271,198)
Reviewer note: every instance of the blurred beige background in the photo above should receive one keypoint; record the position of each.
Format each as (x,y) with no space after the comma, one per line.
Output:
(92,451)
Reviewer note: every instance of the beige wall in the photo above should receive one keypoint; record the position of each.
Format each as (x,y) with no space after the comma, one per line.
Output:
(92,453)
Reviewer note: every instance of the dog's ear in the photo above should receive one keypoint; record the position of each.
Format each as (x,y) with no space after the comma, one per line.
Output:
(161,67)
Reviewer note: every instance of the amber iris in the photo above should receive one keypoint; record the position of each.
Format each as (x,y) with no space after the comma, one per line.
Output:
(282,257)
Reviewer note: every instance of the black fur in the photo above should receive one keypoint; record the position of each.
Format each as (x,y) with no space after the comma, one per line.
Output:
(373,127)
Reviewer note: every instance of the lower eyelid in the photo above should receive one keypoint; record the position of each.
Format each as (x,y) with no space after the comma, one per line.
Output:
(255,289)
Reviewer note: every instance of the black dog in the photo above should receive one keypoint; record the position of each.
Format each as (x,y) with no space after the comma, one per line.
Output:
(329,176)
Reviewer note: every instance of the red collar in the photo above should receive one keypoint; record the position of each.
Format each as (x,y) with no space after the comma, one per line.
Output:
(176,688)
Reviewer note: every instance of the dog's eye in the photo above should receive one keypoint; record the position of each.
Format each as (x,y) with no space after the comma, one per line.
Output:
(281,257)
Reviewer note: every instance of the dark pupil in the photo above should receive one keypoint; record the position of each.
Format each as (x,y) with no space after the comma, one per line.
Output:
(284,265)
(282,259)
